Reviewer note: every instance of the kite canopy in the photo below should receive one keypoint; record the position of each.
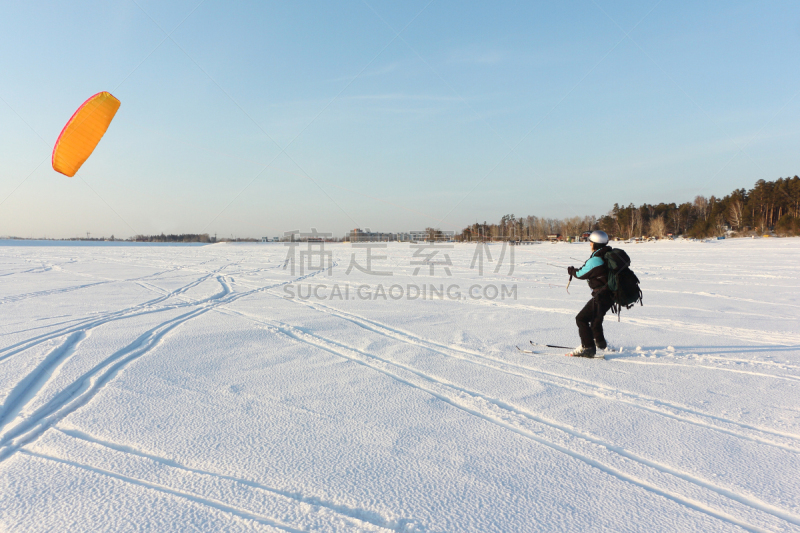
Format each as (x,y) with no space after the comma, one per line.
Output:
(84,130)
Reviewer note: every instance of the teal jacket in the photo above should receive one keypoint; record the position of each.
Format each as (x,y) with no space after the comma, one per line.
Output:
(595,270)
(593,262)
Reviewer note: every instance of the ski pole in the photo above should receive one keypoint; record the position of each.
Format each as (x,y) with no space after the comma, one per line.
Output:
(570,281)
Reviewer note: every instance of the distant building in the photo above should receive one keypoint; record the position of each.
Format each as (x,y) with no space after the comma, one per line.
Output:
(359,235)
(365,235)
(553,237)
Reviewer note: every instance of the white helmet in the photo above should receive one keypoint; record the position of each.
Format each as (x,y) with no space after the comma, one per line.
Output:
(599,237)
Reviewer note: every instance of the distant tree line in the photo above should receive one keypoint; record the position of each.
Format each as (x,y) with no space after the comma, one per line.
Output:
(768,206)
(183,237)
(529,228)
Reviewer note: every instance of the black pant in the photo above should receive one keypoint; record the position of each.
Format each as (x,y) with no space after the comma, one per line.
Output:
(590,319)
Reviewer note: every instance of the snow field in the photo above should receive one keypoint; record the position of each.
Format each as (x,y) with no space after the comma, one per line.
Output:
(180,389)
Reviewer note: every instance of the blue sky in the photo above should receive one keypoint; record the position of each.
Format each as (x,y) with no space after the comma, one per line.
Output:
(254,118)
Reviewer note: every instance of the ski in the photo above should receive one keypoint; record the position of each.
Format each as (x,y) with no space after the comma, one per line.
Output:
(525,351)
(597,356)
(550,345)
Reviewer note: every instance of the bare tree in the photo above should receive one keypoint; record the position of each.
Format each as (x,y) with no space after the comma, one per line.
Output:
(541,229)
(719,225)
(676,221)
(637,224)
(701,207)
(572,226)
(657,227)
(530,227)
(555,226)
(735,212)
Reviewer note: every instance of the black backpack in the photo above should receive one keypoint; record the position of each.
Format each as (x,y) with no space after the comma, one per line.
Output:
(622,282)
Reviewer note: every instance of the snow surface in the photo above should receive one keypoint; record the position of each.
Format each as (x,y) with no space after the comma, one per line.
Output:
(155,388)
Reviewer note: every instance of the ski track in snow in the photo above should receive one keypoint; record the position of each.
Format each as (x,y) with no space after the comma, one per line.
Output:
(22,428)
(581,386)
(301,504)
(518,420)
(82,390)
(755,336)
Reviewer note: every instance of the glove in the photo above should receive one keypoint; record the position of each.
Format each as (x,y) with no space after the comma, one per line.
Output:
(571,271)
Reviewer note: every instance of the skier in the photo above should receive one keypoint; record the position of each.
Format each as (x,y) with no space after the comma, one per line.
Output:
(590,319)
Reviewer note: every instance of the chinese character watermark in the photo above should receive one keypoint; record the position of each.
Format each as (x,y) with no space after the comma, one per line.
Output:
(482,249)
(427,259)
(315,248)
(368,246)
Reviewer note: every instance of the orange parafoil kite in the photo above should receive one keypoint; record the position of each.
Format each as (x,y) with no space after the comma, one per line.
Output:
(84,130)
